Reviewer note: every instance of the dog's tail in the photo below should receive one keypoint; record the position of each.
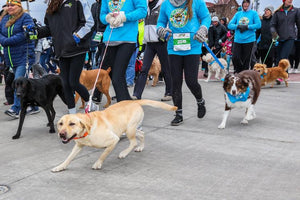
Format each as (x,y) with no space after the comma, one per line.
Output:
(284,64)
(156,104)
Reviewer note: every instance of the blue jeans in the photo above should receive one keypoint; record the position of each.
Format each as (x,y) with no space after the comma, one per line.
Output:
(19,71)
(284,49)
(130,71)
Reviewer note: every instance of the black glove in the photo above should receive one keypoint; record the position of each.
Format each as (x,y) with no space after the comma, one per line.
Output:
(30,32)
(242,28)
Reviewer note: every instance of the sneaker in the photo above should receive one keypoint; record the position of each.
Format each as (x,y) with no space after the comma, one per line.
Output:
(205,75)
(177,120)
(134,98)
(166,98)
(10,112)
(201,108)
(96,100)
(31,110)
(278,81)
(296,71)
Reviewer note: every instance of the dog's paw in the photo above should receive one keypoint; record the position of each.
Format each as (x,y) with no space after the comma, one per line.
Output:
(16,137)
(139,149)
(221,126)
(52,131)
(59,168)
(123,154)
(97,165)
(244,121)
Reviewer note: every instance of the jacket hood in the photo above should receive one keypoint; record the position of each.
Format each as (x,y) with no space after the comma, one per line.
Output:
(250,5)
(177,3)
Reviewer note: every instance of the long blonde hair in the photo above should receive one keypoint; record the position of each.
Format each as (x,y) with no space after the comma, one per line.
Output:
(14,18)
(188,5)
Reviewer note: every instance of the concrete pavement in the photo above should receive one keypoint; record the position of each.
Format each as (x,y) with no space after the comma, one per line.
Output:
(193,161)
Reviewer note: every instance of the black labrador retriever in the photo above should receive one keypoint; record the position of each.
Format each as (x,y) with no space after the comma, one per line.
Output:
(38,92)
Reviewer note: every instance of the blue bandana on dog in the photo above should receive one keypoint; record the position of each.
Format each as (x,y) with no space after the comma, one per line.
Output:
(241,97)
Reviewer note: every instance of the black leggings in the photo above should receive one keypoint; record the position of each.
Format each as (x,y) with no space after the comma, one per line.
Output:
(241,55)
(190,66)
(70,70)
(117,57)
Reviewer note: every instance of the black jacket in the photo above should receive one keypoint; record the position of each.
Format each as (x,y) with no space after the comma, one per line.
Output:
(74,16)
(98,26)
(218,33)
(265,32)
(284,24)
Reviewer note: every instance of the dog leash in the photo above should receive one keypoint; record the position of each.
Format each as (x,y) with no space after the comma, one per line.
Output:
(212,53)
(273,41)
(88,108)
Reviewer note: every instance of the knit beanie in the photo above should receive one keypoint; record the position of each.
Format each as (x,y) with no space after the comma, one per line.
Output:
(271,8)
(14,2)
(246,1)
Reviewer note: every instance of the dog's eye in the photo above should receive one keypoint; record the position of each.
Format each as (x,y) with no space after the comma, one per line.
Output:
(72,124)
(60,123)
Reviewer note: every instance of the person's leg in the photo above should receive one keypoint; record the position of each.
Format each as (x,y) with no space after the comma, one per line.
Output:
(43,61)
(142,77)
(237,57)
(177,77)
(118,73)
(19,71)
(191,68)
(297,52)
(9,91)
(64,65)
(130,71)
(247,55)
(162,54)
(284,50)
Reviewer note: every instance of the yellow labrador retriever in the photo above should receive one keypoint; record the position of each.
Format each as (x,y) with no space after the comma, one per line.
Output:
(102,129)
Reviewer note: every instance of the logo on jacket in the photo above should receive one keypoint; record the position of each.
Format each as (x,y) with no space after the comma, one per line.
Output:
(115,5)
(244,21)
(68,5)
(178,17)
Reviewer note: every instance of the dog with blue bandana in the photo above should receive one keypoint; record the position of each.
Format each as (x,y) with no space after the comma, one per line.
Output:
(241,91)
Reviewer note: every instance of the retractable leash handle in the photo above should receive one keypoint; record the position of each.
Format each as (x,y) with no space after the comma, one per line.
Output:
(213,55)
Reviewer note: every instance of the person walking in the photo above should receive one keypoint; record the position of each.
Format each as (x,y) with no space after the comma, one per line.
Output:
(265,42)
(153,46)
(18,51)
(71,40)
(283,23)
(244,23)
(219,32)
(121,18)
(188,22)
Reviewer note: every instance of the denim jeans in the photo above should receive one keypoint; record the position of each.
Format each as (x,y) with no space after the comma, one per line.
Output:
(19,71)
(130,71)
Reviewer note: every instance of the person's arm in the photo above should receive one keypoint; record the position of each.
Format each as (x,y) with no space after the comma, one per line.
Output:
(257,22)
(203,14)
(86,21)
(232,25)
(162,20)
(298,23)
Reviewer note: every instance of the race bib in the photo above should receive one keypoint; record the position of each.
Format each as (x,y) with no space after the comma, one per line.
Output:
(181,41)
(98,37)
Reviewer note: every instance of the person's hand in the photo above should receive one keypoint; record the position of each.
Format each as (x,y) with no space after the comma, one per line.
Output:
(242,28)
(30,32)
(110,18)
(220,41)
(76,38)
(274,36)
(119,19)
(200,36)
(164,33)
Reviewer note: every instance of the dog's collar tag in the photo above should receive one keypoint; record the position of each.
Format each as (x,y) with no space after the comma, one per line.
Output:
(241,97)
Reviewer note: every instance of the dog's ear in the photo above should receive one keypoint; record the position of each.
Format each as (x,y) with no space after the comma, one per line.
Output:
(226,81)
(85,121)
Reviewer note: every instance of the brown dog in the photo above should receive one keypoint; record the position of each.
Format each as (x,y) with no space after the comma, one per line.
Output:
(270,75)
(103,129)
(154,71)
(88,78)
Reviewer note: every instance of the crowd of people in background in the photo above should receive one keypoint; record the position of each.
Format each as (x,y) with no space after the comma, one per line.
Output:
(117,34)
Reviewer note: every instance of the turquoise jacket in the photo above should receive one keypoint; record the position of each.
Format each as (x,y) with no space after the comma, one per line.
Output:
(133,9)
(177,22)
(249,18)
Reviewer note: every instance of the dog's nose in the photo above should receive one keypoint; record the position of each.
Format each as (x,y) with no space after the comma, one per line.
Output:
(62,134)
(233,92)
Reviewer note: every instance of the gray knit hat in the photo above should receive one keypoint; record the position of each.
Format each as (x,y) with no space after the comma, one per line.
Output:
(215,19)
(271,8)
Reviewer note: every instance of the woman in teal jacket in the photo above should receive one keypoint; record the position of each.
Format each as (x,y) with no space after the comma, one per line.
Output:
(188,22)
(245,23)
(121,37)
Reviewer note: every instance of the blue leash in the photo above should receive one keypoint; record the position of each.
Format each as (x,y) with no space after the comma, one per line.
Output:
(212,53)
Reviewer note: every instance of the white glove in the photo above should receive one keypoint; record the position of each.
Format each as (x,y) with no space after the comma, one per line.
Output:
(109,18)
(164,33)
(119,19)
(200,36)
